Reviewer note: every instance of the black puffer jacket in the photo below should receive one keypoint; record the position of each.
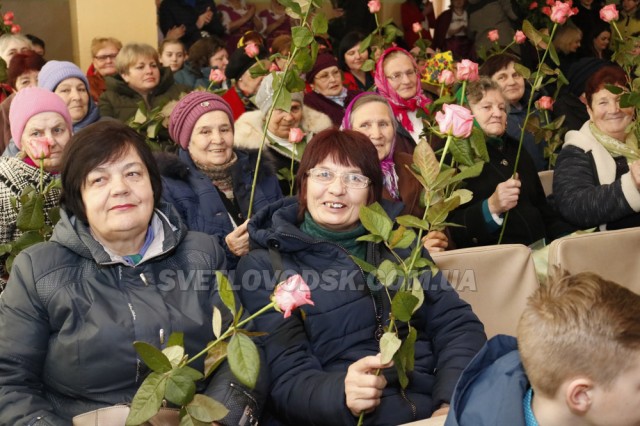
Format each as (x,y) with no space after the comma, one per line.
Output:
(308,359)
(70,314)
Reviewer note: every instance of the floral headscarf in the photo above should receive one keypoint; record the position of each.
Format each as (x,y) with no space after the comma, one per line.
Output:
(390,178)
(400,106)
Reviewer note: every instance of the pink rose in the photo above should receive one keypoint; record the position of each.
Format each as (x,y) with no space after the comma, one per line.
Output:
(274,67)
(40,148)
(561,11)
(417,27)
(290,294)
(609,13)
(15,29)
(519,37)
(217,76)
(533,5)
(493,36)
(455,120)
(295,135)
(545,103)
(8,16)
(446,77)
(467,70)
(8,22)
(374,6)
(251,49)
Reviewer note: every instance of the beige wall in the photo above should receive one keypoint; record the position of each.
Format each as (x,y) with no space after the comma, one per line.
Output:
(127,20)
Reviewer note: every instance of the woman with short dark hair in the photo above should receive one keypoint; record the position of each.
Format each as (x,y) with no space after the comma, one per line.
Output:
(110,276)
(323,365)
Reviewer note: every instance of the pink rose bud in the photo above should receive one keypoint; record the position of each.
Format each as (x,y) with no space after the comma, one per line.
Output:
(374,6)
(15,29)
(446,77)
(609,13)
(493,36)
(295,135)
(274,67)
(545,103)
(455,120)
(533,5)
(251,49)
(561,11)
(519,37)
(291,294)
(8,22)
(8,16)
(217,76)
(40,148)
(467,70)
(417,27)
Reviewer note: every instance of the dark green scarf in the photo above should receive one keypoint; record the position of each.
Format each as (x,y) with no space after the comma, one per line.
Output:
(346,239)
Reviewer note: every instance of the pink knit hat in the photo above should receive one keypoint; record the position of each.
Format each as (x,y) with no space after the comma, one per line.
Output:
(187,112)
(31,101)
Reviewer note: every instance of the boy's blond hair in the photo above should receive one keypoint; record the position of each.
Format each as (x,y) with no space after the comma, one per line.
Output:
(578,325)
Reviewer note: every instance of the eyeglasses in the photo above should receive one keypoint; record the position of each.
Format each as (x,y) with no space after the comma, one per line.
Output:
(398,75)
(351,180)
(325,76)
(103,58)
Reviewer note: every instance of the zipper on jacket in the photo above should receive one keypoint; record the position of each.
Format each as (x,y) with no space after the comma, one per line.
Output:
(376,298)
(414,410)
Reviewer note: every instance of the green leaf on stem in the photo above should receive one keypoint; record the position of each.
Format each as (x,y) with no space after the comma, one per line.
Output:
(225,291)
(214,358)
(320,24)
(244,359)
(402,305)
(416,287)
(406,353)
(522,70)
(174,354)
(294,83)
(412,222)
(147,399)
(468,172)
(402,374)
(389,345)
(479,144)
(53,184)
(152,357)
(444,178)
(376,220)
(553,54)
(461,151)
(464,194)
(54,214)
(303,60)
(425,159)
(31,215)
(439,211)
(368,65)
(614,89)
(176,339)
(4,249)
(532,34)
(365,266)
(180,388)
(206,409)
(302,37)
(370,237)
(192,373)
(401,238)
(187,420)
(387,273)
(216,322)
(418,177)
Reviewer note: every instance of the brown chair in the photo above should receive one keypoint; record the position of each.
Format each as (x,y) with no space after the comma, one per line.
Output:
(495,280)
(610,254)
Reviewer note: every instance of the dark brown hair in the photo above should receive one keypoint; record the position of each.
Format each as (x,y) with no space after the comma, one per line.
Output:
(202,50)
(495,63)
(345,147)
(22,63)
(97,144)
(610,74)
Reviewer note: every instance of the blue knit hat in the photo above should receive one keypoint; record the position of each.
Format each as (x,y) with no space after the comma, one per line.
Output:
(54,72)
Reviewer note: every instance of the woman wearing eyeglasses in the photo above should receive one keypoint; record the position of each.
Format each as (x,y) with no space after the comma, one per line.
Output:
(323,365)
(397,79)
(328,95)
(103,51)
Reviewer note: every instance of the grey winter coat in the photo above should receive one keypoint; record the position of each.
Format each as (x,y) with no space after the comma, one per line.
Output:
(70,314)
